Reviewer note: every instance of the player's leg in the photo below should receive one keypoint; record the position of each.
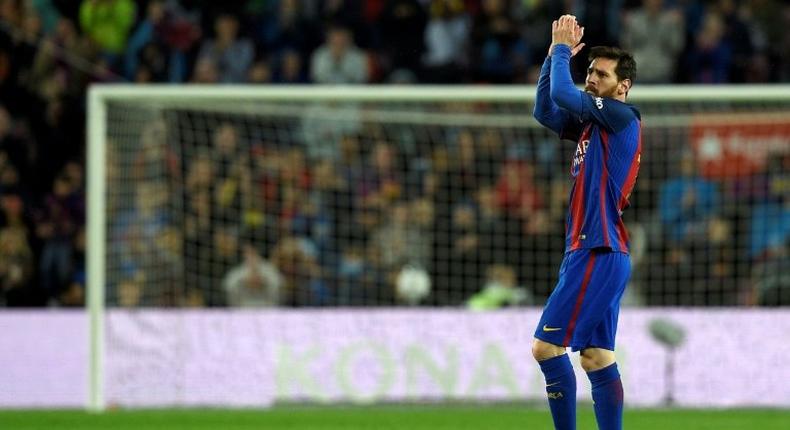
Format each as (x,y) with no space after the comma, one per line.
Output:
(550,336)
(607,387)
(597,357)
(560,382)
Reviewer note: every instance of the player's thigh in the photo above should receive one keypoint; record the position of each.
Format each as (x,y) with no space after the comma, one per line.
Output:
(597,317)
(553,326)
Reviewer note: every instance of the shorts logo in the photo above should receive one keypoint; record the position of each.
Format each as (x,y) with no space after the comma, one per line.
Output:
(599,103)
(555,396)
(547,328)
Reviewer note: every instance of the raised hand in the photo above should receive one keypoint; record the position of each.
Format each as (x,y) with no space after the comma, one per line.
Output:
(567,31)
(578,33)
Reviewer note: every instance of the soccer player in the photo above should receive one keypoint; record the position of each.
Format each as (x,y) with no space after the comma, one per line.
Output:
(582,311)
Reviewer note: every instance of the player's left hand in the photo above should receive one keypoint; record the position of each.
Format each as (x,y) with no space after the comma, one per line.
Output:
(567,31)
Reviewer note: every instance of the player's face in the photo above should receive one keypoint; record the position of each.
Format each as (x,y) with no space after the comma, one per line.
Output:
(602,79)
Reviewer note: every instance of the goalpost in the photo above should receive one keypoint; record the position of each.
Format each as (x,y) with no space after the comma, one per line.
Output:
(432,196)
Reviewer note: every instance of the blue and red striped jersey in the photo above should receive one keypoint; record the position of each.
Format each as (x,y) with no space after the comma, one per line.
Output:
(606,162)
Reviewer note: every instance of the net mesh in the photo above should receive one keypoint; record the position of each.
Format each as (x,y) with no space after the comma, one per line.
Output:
(278,203)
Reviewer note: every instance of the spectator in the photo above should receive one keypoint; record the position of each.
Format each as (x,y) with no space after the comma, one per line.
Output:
(17,148)
(260,72)
(13,202)
(198,221)
(381,183)
(222,252)
(355,15)
(516,192)
(538,16)
(500,290)
(655,37)
(770,217)
(230,168)
(205,72)
(155,158)
(232,56)
(48,13)
(159,45)
(287,28)
(332,199)
(74,295)
(402,25)
(687,204)
(601,19)
(339,61)
(16,269)
(738,37)
(358,281)
(493,227)
(57,229)
(107,23)
(323,125)
(398,242)
(446,35)
(52,77)
(457,266)
(137,226)
(130,292)
(771,279)
(289,68)
(768,24)
(498,51)
(710,55)
(302,283)
(253,283)
(490,156)
(718,286)
(465,169)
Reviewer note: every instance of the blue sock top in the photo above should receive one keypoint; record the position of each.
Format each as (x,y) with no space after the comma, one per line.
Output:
(556,366)
(602,376)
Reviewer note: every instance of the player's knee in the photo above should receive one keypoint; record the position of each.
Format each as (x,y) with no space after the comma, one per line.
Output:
(543,350)
(595,358)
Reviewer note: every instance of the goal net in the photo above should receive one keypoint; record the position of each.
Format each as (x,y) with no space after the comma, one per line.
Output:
(407,196)
(387,196)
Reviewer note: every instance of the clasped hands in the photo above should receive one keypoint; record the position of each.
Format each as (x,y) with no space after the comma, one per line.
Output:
(566,31)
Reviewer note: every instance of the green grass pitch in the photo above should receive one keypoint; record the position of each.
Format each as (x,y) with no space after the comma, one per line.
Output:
(494,417)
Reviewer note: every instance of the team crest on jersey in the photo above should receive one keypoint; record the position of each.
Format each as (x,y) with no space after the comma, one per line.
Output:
(599,103)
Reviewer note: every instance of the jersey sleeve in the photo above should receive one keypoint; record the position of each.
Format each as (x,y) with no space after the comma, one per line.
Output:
(546,112)
(611,114)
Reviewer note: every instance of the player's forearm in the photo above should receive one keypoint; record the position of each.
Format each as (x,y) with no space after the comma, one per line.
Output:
(545,111)
(563,93)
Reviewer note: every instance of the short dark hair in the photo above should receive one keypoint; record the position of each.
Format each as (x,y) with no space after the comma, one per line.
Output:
(626,65)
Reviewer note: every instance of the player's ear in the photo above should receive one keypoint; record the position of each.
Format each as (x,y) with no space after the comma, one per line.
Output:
(624,86)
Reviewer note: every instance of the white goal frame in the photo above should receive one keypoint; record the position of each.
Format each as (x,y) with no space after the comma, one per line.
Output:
(100,95)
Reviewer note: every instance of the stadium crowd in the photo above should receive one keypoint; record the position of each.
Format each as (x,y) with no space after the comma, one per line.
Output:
(389,205)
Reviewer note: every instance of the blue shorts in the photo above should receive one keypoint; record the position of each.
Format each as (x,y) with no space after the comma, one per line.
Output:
(583,308)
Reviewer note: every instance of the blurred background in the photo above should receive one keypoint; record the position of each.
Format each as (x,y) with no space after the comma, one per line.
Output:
(351,203)
(368,231)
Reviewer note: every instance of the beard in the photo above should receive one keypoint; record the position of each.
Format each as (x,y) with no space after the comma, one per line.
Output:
(598,92)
